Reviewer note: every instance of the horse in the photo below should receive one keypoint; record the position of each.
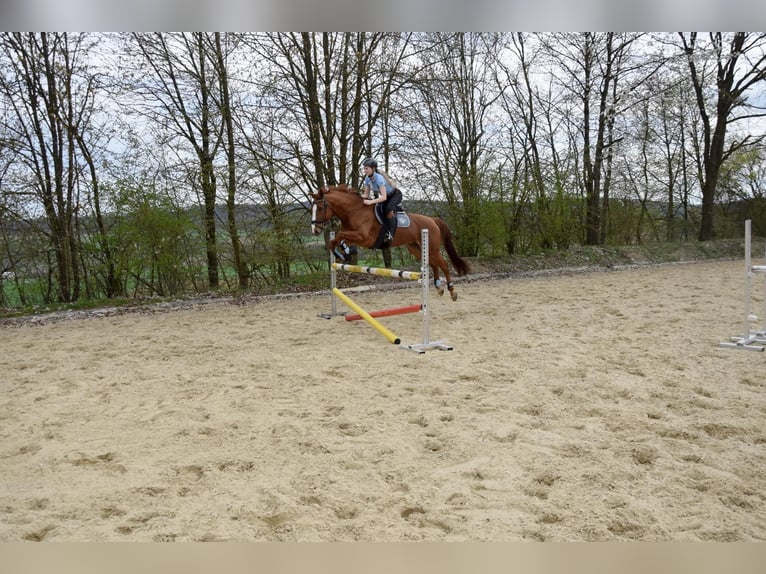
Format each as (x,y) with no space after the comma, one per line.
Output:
(360,226)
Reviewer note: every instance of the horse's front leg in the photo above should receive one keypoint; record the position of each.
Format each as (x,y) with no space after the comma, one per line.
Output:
(339,247)
(341,244)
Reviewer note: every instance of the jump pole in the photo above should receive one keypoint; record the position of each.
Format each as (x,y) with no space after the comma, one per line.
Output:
(366,316)
(333,283)
(422,278)
(424,285)
(383,272)
(387,312)
(424,298)
(750,340)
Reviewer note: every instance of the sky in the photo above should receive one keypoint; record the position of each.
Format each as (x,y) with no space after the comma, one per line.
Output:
(391,15)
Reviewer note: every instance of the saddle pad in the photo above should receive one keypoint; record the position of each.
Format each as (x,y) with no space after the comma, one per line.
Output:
(402,219)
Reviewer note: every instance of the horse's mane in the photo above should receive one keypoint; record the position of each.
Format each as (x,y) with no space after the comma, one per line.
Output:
(345,188)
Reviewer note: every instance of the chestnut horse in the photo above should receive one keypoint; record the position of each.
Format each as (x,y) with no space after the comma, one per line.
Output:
(359,226)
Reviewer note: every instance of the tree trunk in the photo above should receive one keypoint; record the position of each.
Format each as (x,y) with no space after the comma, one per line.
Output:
(231,183)
(207,173)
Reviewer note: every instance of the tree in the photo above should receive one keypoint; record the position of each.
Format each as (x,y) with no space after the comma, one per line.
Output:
(227,115)
(50,127)
(335,89)
(738,65)
(656,134)
(180,84)
(533,113)
(453,96)
(594,68)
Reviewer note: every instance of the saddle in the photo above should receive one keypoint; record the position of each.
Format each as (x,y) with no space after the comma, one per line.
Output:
(401,219)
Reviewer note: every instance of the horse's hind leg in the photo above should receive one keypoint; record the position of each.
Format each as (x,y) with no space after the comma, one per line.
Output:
(416,250)
(437,262)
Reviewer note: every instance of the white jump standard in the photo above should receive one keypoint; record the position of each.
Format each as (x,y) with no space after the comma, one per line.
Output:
(751,340)
(422,277)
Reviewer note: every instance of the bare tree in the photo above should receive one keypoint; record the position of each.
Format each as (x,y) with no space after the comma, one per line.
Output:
(658,128)
(534,113)
(336,89)
(51,95)
(595,66)
(738,65)
(180,81)
(227,114)
(287,129)
(453,95)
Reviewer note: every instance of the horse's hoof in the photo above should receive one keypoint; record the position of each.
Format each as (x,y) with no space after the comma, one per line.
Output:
(339,255)
(453,294)
(440,292)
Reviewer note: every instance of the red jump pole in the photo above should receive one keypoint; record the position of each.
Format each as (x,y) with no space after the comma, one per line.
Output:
(387,312)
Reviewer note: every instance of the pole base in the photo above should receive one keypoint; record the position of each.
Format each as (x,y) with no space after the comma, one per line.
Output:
(423,347)
(331,315)
(754,341)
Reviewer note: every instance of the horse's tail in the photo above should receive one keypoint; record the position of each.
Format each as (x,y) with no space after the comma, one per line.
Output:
(461,265)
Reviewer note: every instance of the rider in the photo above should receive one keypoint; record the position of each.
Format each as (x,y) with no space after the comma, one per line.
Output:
(378,188)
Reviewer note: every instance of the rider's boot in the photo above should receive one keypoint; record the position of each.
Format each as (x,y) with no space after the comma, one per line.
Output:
(389,236)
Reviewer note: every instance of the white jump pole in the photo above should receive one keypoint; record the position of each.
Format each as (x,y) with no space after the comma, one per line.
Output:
(425,280)
(762,269)
(333,284)
(750,340)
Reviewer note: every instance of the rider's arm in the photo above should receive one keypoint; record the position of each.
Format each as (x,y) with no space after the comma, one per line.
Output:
(381,197)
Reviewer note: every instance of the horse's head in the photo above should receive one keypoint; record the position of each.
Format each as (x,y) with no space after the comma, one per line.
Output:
(330,201)
(321,210)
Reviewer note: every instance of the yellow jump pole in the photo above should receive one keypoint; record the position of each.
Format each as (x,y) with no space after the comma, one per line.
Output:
(367,317)
(396,273)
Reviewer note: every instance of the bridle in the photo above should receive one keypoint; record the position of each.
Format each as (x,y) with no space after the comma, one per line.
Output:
(315,219)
